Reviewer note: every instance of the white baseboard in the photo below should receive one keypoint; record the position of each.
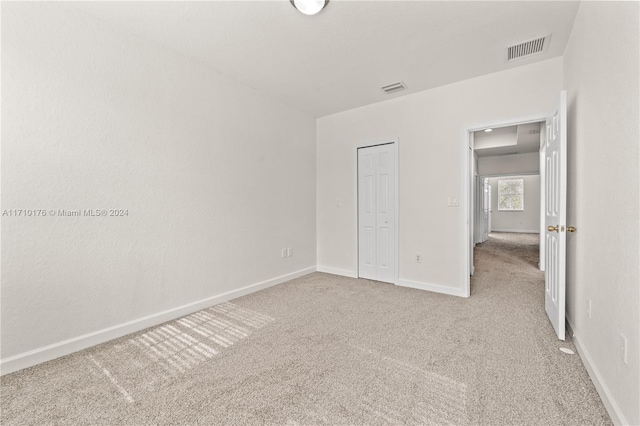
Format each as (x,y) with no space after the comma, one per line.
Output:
(436,288)
(335,271)
(66,347)
(603,390)
(518,231)
(402,283)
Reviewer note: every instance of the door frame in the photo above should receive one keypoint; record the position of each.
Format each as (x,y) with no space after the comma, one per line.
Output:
(386,141)
(468,150)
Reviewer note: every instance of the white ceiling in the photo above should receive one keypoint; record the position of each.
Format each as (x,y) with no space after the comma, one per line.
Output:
(521,139)
(339,59)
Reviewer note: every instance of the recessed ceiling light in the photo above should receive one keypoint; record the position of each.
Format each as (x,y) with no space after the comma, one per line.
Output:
(309,7)
(488,130)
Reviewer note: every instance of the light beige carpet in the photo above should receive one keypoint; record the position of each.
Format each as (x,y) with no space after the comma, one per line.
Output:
(325,349)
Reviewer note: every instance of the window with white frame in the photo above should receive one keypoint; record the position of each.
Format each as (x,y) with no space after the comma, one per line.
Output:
(510,194)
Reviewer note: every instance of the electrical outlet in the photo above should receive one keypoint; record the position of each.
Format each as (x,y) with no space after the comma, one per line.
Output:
(284,253)
(589,308)
(418,258)
(623,348)
(289,252)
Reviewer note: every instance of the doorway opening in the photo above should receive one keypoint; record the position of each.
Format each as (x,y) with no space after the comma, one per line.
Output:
(552,163)
(507,179)
(509,203)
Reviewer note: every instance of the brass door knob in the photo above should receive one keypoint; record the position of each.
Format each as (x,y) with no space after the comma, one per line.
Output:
(571,229)
(553,228)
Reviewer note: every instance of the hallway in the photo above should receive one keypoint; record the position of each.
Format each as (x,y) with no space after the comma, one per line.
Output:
(509,258)
(509,284)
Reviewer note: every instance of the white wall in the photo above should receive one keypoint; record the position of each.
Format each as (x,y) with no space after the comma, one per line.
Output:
(601,74)
(432,167)
(216,177)
(527,220)
(509,164)
(498,138)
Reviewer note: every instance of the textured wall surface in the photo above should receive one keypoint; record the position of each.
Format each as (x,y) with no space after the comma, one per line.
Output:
(601,74)
(506,164)
(216,178)
(430,126)
(527,220)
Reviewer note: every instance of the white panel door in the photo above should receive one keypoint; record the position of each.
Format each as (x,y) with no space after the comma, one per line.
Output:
(479,212)
(543,200)
(486,206)
(556,215)
(367,213)
(386,213)
(377,213)
(489,211)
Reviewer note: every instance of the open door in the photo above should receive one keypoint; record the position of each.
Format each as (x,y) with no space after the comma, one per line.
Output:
(486,208)
(489,201)
(556,215)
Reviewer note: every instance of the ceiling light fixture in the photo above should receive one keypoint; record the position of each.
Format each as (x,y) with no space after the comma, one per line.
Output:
(488,130)
(309,7)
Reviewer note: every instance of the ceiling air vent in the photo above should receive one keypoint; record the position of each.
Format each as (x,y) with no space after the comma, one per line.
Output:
(527,48)
(392,88)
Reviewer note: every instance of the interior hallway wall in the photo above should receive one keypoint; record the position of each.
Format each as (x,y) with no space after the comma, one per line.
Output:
(509,164)
(432,168)
(527,220)
(216,179)
(601,74)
